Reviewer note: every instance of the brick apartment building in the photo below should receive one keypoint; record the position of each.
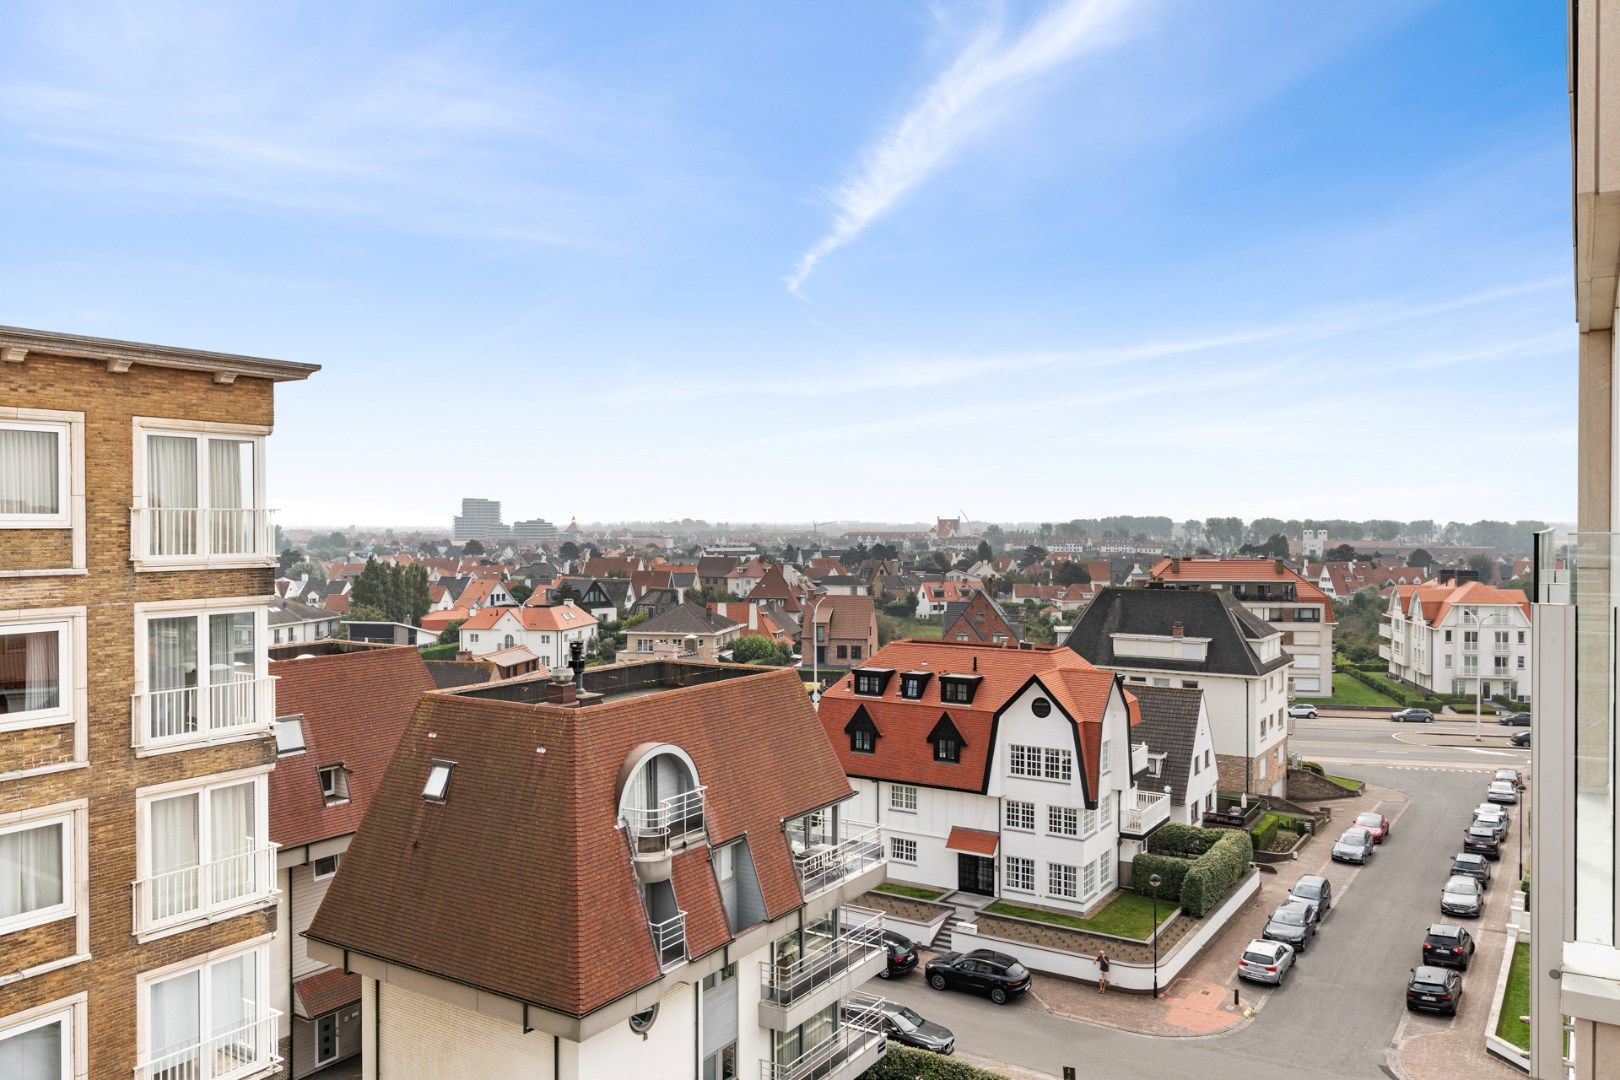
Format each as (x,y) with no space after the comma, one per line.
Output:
(137,879)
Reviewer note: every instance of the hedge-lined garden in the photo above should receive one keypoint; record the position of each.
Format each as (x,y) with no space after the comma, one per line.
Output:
(905,1063)
(1273,825)
(1197,867)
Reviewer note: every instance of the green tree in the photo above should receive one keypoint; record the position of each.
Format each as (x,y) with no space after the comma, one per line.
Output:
(1071,573)
(1342,553)
(568,550)
(520,591)
(290,557)
(757,649)
(1420,557)
(1033,554)
(472,547)
(985,552)
(1484,566)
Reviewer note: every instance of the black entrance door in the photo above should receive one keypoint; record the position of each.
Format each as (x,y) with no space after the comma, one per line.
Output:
(976,874)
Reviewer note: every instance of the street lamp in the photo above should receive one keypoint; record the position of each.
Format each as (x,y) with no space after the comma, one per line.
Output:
(1154,880)
(815,652)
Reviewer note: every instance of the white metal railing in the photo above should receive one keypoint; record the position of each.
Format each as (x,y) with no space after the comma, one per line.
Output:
(1139,757)
(186,534)
(786,983)
(198,890)
(200,712)
(860,1029)
(1147,810)
(1384,630)
(825,865)
(669,939)
(654,831)
(239,1051)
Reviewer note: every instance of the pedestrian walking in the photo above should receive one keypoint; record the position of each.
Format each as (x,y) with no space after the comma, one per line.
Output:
(1102,973)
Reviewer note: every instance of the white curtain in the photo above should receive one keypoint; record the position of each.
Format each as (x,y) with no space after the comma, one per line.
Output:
(175,848)
(171,646)
(33,1055)
(30,671)
(230,490)
(171,490)
(30,871)
(176,1017)
(235,993)
(230,838)
(29,478)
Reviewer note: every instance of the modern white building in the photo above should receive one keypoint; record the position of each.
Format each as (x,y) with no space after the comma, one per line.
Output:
(995,771)
(1450,638)
(648,874)
(547,632)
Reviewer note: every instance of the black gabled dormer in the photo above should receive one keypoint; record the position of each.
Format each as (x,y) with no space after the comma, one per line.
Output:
(958,689)
(871,682)
(863,733)
(913,683)
(947,740)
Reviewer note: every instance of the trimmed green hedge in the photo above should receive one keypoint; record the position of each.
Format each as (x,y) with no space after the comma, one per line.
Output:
(1265,831)
(1215,872)
(1172,869)
(905,1063)
(1185,841)
(1199,866)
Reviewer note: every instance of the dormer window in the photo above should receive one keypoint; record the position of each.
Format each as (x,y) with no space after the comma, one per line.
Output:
(872,681)
(290,735)
(334,783)
(947,741)
(958,689)
(912,683)
(438,781)
(863,733)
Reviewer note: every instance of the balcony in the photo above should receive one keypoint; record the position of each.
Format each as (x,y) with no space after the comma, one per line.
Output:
(194,894)
(790,994)
(824,865)
(1383,652)
(196,536)
(201,714)
(669,939)
(1143,813)
(243,1051)
(843,1055)
(1139,758)
(1384,630)
(655,833)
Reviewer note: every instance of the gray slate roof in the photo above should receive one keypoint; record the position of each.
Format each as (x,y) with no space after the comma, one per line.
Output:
(688,618)
(1169,726)
(1203,613)
(285,611)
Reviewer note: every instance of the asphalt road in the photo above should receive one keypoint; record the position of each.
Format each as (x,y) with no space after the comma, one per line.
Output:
(1341,1011)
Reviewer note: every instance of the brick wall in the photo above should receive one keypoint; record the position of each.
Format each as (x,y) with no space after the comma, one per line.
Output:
(1229,776)
(107,592)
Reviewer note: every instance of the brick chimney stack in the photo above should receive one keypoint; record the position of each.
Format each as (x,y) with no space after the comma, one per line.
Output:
(562,692)
(1178,630)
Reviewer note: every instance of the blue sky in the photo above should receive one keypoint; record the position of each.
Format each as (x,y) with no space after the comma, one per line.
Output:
(747,261)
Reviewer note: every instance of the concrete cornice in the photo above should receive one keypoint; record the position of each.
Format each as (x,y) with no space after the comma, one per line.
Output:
(17,342)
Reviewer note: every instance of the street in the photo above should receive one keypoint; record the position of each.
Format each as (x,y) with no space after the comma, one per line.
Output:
(1342,1011)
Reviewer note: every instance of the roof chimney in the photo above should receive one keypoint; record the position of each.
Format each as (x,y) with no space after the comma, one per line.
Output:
(1178,630)
(1175,565)
(576,663)
(1280,567)
(561,691)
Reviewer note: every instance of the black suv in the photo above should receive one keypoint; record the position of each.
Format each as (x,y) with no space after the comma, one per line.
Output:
(1433,989)
(982,971)
(1448,946)
(1474,866)
(1481,840)
(902,955)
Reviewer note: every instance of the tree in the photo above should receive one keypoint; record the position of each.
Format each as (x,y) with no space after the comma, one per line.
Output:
(520,592)
(1484,566)
(1342,553)
(472,547)
(290,557)
(565,591)
(1071,573)
(568,550)
(757,649)
(398,594)
(1033,554)
(1420,557)
(985,552)
(1381,529)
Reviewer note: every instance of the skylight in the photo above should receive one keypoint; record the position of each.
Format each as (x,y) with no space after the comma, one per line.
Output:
(438,780)
(289,734)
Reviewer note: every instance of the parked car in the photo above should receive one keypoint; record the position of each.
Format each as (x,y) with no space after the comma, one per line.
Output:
(1462,895)
(1412,716)
(1503,791)
(1316,891)
(1448,946)
(1356,845)
(982,971)
(1482,840)
(1474,866)
(1375,823)
(1493,815)
(1302,712)
(1520,738)
(904,1026)
(1512,775)
(1293,923)
(902,955)
(1433,989)
(1266,961)
(1513,719)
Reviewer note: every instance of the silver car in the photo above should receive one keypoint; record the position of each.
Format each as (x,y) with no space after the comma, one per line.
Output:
(1356,845)
(1462,896)
(1503,791)
(1493,817)
(1265,961)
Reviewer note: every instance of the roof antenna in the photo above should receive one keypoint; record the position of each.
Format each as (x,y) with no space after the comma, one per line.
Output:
(975,661)
(576,661)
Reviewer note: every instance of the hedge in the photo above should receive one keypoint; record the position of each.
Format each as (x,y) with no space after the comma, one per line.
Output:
(1185,841)
(1169,867)
(1215,872)
(905,1063)
(1199,866)
(1265,831)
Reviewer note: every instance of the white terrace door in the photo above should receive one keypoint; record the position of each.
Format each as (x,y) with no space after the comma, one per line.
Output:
(201,494)
(201,674)
(204,847)
(209,1023)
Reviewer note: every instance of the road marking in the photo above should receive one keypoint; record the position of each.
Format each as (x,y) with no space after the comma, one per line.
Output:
(1492,753)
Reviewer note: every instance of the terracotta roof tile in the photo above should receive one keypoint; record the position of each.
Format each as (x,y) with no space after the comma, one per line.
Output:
(972,841)
(325,991)
(697,893)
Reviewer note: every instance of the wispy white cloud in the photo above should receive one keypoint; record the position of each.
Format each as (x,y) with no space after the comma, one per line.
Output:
(975,90)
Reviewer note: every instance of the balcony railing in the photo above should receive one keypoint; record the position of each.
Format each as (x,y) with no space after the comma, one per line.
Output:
(1384,630)
(824,865)
(196,891)
(241,1051)
(655,831)
(1139,758)
(1146,812)
(200,713)
(669,939)
(859,1033)
(785,984)
(199,534)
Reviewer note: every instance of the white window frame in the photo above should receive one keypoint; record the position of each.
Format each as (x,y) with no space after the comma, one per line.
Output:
(202,964)
(898,844)
(67,821)
(1062,821)
(144,800)
(1056,885)
(336,859)
(62,518)
(67,670)
(903,797)
(1019,815)
(1088,879)
(259,608)
(1057,764)
(146,426)
(1019,874)
(70,1013)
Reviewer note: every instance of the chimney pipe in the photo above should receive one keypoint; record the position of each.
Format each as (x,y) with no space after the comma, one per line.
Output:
(1178,630)
(560,691)
(576,662)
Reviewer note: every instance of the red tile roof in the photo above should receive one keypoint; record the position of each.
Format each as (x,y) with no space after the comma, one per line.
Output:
(697,892)
(325,991)
(1171,568)
(355,706)
(564,616)
(972,841)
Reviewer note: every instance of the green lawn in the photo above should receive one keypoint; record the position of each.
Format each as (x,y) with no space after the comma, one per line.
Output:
(1350,691)
(1344,782)
(446,651)
(1127,915)
(892,627)
(913,892)
(1516,1000)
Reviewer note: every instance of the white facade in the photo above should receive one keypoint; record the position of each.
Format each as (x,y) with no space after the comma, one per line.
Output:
(1483,648)
(303,873)
(551,646)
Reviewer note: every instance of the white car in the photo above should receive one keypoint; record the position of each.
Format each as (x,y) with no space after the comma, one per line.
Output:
(1302,712)
(1503,791)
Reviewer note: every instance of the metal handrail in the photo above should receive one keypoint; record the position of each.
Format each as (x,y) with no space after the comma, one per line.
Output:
(200,532)
(821,869)
(206,887)
(191,712)
(858,1030)
(669,939)
(654,830)
(248,1048)
(827,961)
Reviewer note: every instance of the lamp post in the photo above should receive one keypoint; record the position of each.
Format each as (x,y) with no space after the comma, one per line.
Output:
(1154,880)
(815,653)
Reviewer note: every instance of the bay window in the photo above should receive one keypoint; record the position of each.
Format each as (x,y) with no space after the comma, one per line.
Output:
(203,852)
(39,1049)
(204,677)
(36,873)
(199,495)
(211,1021)
(34,485)
(35,666)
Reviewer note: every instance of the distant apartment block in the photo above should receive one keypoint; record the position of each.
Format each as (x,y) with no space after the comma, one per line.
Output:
(480,519)
(535,530)
(1450,638)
